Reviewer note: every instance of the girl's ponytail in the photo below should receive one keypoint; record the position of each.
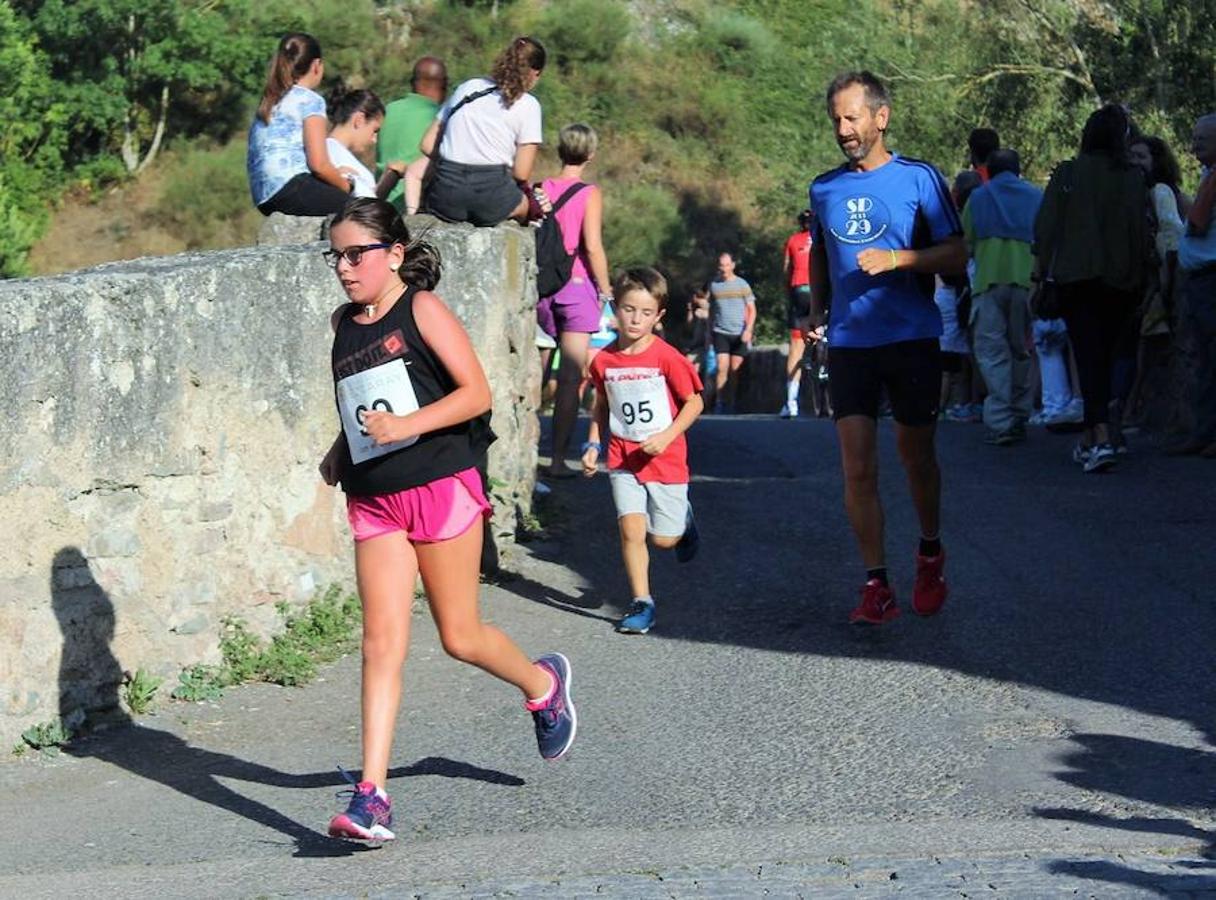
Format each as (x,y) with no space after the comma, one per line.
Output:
(511,69)
(296,54)
(422,266)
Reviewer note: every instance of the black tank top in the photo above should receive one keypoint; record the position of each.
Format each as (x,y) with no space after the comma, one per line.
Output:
(387,365)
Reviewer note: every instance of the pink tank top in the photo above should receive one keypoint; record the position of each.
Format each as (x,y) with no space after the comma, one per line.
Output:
(570,219)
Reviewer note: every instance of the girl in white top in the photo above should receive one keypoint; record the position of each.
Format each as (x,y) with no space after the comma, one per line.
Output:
(491,132)
(357,116)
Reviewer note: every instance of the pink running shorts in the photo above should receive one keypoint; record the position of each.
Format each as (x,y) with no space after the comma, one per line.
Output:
(437,511)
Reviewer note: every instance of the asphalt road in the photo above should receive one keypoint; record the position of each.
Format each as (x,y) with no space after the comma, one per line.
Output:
(1052,732)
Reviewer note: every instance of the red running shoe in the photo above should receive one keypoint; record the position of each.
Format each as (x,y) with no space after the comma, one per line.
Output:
(877,605)
(930,591)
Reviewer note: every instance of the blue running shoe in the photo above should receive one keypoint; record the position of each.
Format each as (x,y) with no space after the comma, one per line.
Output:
(556,721)
(690,541)
(367,817)
(638,620)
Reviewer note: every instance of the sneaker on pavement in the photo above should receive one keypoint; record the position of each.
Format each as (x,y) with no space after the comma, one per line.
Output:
(690,541)
(877,605)
(1001,438)
(367,817)
(929,592)
(554,717)
(639,619)
(1101,457)
(1080,454)
(790,410)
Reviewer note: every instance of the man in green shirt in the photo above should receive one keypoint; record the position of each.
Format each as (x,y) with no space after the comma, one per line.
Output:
(405,122)
(998,224)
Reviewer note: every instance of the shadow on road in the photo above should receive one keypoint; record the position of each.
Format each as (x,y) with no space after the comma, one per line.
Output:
(90,678)
(1094,588)
(1147,771)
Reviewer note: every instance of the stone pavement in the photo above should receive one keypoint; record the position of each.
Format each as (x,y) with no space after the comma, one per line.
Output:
(1050,734)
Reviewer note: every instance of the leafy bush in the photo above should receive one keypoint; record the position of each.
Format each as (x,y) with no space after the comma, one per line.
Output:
(320,632)
(577,32)
(140,690)
(205,200)
(645,227)
(199,683)
(47,736)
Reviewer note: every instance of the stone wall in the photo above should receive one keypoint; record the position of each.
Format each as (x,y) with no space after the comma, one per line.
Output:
(158,466)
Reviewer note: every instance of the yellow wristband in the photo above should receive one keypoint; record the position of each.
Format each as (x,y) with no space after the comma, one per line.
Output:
(894,261)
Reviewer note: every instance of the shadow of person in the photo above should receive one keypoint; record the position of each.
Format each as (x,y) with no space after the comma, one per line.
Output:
(89,680)
(1150,772)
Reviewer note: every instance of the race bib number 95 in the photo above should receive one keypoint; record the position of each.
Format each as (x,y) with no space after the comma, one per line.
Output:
(386,388)
(638,404)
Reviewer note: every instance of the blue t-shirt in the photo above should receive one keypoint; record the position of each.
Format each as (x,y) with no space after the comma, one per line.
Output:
(902,205)
(276,150)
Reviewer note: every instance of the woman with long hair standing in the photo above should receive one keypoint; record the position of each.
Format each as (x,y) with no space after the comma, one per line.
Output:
(491,132)
(289,168)
(1092,236)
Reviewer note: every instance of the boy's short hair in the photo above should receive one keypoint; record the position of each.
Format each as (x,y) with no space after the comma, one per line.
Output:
(642,278)
(576,143)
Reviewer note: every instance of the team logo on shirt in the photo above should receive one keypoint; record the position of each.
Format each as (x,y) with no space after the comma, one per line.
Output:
(859,220)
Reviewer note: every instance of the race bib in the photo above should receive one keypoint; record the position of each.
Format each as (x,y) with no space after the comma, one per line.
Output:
(638,404)
(386,388)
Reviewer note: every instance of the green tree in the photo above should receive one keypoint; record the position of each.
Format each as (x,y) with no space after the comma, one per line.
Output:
(121,65)
(31,142)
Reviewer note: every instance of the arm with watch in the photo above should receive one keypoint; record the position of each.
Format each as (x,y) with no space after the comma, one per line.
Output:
(593,449)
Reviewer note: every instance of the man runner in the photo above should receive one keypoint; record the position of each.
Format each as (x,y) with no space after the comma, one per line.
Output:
(884,226)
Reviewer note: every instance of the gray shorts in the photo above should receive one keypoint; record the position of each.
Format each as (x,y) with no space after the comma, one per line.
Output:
(482,195)
(665,506)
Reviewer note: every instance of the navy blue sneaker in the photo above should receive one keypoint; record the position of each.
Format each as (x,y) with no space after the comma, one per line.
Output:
(367,817)
(690,541)
(638,620)
(555,720)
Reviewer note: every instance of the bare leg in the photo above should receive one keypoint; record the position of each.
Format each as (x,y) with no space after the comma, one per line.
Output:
(919,456)
(724,369)
(732,390)
(386,569)
(793,362)
(450,576)
(858,437)
(413,184)
(565,406)
(635,553)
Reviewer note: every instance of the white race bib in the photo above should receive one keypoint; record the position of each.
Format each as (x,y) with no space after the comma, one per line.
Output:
(638,404)
(385,387)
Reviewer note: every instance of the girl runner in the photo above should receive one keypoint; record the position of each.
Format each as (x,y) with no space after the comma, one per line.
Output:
(408,385)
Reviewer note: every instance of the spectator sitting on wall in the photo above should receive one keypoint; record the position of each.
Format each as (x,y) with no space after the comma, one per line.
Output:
(357,116)
(289,168)
(405,122)
(491,132)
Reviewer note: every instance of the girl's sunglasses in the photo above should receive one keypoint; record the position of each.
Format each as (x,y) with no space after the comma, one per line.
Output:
(353,255)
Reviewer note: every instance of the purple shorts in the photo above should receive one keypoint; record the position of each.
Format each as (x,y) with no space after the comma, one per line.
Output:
(576,307)
(437,511)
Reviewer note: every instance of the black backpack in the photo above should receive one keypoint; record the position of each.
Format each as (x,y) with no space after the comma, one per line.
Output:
(553,263)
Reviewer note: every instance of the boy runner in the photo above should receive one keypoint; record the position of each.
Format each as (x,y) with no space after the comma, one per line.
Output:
(647,395)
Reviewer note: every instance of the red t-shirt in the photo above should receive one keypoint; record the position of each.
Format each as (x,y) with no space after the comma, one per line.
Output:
(798,252)
(645,392)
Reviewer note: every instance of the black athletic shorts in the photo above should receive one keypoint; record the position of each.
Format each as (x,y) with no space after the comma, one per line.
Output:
(729,343)
(911,372)
(799,307)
